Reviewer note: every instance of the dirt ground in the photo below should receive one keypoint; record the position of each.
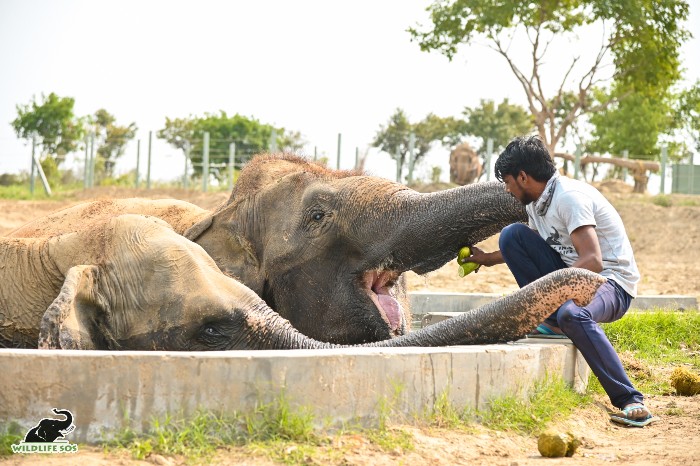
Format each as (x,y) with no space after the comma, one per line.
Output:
(665,240)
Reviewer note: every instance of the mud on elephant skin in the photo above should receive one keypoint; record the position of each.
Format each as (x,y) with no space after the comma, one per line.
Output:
(133,283)
(130,282)
(324,248)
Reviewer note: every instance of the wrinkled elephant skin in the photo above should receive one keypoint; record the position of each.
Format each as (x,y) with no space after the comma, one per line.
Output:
(324,248)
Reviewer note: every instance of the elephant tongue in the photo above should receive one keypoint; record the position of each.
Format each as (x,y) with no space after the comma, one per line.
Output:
(391,309)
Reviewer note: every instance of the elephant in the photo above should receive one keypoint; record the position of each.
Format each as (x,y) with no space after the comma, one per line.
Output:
(324,248)
(133,283)
(48,429)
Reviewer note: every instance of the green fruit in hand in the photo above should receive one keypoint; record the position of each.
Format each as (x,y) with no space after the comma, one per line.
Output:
(463,254)
(467,268)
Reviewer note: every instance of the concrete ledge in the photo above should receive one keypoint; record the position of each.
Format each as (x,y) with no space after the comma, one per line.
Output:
(103,389)
(425,302)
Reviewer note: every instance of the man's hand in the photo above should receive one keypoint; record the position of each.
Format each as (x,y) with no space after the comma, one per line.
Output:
(483,258)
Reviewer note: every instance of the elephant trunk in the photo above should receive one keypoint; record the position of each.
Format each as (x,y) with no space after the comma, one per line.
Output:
(506,319)
(425,231)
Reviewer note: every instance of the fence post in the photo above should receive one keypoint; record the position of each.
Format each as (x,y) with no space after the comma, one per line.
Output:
(357,158)
(273,140)
(315,153)
(91,167)
(664,159)
(205,163)
(411,155)
(138,161)
(148,168)
(185,176)
(625,156)
(231,162)
(338,161)
(489,154)
(32,176)
(87,161)
(398,166)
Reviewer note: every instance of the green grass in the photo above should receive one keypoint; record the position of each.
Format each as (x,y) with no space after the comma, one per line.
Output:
(647,341)
(650,343)
(9,434)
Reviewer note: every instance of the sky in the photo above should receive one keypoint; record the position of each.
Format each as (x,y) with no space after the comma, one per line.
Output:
(319,67)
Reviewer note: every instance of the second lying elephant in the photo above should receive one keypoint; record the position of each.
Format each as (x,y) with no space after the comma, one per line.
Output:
(133,283)
(324,248)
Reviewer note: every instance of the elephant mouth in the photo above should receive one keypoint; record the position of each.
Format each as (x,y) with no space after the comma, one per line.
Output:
(380,286)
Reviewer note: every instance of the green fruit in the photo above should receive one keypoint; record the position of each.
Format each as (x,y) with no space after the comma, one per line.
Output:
(463,254)
(467,268)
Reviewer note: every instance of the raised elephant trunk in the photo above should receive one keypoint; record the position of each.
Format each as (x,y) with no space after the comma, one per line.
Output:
(424,231)
(506,319)
(63,425)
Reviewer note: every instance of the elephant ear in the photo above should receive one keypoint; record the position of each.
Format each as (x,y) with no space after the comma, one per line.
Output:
(195,231)
(74,320)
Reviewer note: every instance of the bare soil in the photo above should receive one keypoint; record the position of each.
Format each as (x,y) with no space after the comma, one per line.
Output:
(665,241)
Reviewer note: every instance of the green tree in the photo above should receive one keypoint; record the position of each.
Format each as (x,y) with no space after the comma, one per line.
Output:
(633,124)
(52,120)
(249,135)
(687,113)
(643,45)
(499,123)
(394,137)
(111,139)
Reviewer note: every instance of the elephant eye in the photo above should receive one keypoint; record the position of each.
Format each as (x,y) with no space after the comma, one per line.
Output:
(317,216)
(211,331)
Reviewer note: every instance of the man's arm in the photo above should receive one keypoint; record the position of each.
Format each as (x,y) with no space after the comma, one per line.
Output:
(585,241)
(484,258)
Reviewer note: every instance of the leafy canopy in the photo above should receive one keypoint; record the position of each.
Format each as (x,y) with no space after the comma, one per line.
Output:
(52,120)
(643,45)
(394,137)
(249,135)
(499,123)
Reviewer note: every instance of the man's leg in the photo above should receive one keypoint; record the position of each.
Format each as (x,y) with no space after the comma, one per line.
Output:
(580,325)
(529,257)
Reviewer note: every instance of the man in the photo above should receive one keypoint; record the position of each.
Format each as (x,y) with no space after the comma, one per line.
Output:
(571,224)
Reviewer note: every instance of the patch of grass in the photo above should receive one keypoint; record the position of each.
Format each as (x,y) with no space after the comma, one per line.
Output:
(658,337)
(549,399)
(10,434)
(662,200)
(648,342)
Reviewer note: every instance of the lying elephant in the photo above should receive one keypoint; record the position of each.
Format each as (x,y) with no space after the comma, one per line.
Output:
(324,248)
(131,282)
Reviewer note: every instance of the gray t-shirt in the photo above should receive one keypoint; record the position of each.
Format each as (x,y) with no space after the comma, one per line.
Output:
(575,204)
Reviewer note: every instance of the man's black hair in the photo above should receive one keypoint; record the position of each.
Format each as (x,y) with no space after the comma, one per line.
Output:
(528,154)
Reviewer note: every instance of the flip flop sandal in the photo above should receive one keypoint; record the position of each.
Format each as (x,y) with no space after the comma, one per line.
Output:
(543,332)
(640,422)
(634,422)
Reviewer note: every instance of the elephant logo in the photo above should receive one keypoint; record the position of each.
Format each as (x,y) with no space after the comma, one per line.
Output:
(48,436)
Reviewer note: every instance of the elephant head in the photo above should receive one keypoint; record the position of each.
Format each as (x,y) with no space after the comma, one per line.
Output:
(327,248)
(50,429)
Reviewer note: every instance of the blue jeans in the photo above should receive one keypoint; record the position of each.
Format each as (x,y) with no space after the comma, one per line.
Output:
(528,257)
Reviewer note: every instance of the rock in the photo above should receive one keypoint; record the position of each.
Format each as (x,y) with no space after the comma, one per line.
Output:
(685,382)
(554,444)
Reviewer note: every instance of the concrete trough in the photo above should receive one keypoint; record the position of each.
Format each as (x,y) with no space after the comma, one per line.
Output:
(107,391)
(424,303)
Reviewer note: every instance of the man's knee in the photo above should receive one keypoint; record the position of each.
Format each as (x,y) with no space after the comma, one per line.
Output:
(511,234)
(568,314)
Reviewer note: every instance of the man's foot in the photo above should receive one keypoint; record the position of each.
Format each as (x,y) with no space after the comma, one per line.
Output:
(636,411)
(634,414)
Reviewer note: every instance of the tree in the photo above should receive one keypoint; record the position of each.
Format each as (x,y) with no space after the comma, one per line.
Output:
(249,135)
(394,137)
(112,139)
(687,113)
(53,122)
(497,123)
(643,45)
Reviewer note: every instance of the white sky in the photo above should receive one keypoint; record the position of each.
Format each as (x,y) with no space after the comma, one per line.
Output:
(314,66)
